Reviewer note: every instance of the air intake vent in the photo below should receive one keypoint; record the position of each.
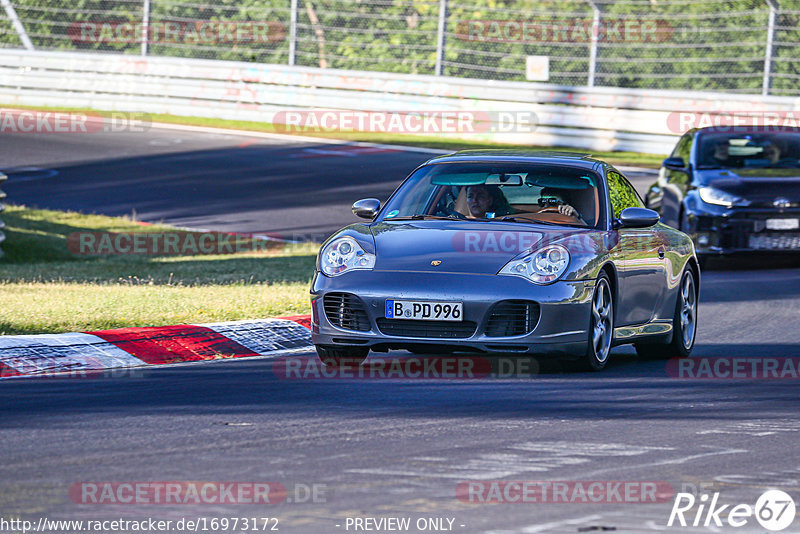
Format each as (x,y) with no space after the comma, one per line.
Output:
(512,318)
(346,311)
(426,329)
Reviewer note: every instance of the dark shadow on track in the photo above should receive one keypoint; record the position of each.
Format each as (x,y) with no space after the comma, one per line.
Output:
(756,261)
(629,389)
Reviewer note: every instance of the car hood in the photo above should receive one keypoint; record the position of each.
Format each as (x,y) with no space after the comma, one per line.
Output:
(460,246)
(759,186)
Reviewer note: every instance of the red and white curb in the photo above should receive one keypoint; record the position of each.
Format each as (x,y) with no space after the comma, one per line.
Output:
(51,354)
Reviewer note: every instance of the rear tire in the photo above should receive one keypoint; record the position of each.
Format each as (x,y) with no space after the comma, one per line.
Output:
(601,327)
(342,357)
(684,325)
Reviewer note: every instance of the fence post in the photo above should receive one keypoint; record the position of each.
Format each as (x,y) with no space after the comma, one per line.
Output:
(17,24)
(293,33)
(2,208)
(440,38)
(773,8)
(593,43)
(145,27)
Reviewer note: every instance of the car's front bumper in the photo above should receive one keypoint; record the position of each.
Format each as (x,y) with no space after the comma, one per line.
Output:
(741,231)
(561,326)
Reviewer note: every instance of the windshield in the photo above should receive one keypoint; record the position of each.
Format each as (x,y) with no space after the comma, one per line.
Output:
(757,150)
(515,192)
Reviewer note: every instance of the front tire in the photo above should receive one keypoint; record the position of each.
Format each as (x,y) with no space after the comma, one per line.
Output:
(684,325)
(342,357)
(601,326)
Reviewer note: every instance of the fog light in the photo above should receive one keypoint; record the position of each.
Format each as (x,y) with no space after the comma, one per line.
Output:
(702,240)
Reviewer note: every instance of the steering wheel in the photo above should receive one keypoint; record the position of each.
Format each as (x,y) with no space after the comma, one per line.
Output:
(549,209)
(787,162)
(451,212)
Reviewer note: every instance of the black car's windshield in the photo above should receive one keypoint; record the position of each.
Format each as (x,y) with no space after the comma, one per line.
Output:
(749,150)
(512,192)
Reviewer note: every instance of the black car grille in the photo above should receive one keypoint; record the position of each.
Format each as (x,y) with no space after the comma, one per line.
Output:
(346,311)
(774,241)
(512,318)
(429,329)
(747,230)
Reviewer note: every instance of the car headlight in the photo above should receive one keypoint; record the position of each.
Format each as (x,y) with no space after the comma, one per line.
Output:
(344,254)
(710,195)
(544,266)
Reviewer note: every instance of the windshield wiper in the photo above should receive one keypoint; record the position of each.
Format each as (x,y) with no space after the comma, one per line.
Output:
(509,218)
(536,221)
(420,217)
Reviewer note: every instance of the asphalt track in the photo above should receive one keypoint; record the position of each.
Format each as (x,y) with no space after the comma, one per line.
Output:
(197,179)
(203,179)
(383,448)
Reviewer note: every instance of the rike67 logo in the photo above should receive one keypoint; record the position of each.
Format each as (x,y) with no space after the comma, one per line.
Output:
(774,510)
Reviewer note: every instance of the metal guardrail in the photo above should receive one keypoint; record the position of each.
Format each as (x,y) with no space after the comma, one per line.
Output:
(3,178)
(594,118)
(735,46)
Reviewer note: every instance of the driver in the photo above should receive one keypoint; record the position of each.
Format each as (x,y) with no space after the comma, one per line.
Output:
(486,199)
(558,195)
(772,152)
(721,152)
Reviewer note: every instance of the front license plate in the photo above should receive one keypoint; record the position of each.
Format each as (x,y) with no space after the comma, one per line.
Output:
(783,224)
(424,310)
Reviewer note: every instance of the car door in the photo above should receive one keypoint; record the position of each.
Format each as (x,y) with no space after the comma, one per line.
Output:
(675,182)
(642,269)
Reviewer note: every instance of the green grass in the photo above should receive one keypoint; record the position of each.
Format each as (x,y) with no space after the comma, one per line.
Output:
(427,141)
(47,289)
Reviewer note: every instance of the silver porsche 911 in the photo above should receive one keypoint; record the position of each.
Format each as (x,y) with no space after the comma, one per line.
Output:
(506,252)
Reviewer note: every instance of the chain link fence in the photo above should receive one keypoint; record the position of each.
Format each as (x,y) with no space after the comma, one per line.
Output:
(705,45)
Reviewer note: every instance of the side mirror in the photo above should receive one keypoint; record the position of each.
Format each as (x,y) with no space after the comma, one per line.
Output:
(675,164)
(367,208)
(637,218)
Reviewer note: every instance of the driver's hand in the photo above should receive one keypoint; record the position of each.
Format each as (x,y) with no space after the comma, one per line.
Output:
(569,211)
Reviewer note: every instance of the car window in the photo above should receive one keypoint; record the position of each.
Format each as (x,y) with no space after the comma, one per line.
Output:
(527,192)
(683,148)
(744,150)
(622,194)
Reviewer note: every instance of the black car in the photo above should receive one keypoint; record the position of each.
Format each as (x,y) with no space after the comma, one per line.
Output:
(733,189)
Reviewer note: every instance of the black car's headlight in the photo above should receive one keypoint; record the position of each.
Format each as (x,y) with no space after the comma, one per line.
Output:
(711,195)
(544,266)
(344,254)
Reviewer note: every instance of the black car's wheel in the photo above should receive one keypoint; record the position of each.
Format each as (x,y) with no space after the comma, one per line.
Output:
(601,326)
(342,357)
(684,325)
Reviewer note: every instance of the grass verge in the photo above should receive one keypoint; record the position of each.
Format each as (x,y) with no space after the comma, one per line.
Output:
(425,141)
(47,289)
